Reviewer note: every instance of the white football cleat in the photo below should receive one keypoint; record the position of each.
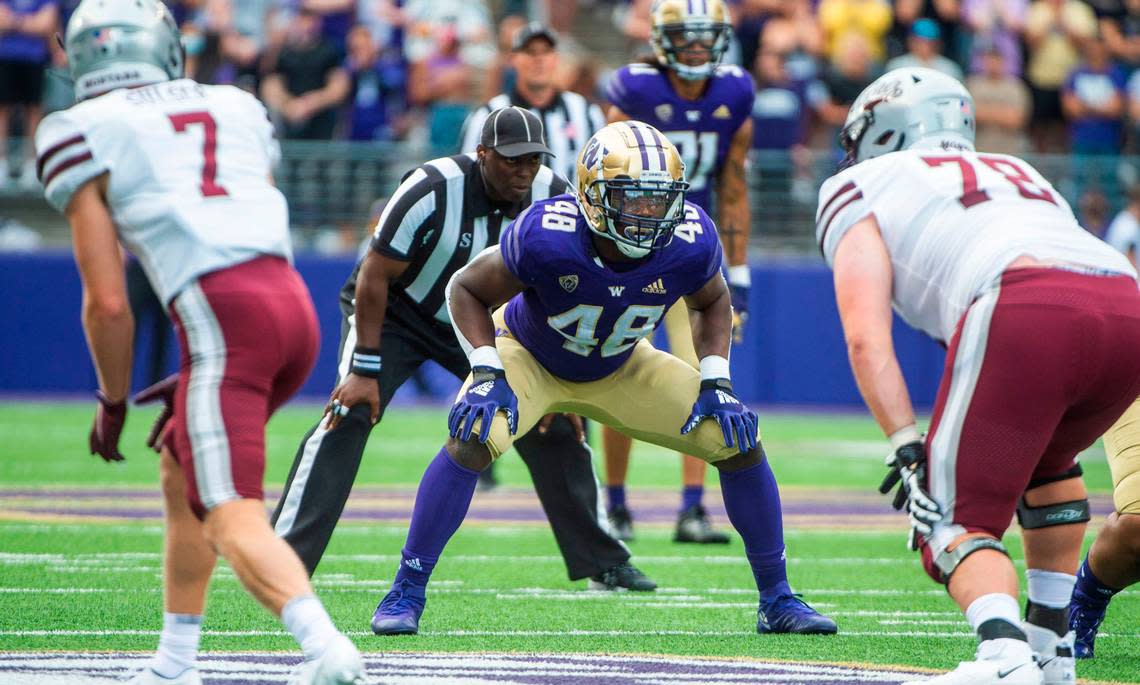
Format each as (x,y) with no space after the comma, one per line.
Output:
(147,676)
(1008,663)
(340,664)
(1054,654)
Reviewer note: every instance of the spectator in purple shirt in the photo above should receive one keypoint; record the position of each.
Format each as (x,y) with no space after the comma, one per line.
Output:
(1093,101)
(997,25)
(377,96)
(25,26)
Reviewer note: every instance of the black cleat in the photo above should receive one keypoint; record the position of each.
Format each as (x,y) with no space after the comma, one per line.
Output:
(622,522)
(693,526)
(624,576)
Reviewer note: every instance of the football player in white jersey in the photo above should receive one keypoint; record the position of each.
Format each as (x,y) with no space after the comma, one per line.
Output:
(1042,326)
(180,173)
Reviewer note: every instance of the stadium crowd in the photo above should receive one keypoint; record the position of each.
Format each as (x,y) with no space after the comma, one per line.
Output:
(1048,75)
(381,69)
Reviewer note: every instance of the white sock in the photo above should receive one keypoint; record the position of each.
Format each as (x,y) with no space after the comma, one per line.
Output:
(1050,588)
(178,644)
(991,606)
(306,619)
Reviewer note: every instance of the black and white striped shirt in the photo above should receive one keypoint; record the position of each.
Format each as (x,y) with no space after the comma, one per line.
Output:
(569,121)
(438,220)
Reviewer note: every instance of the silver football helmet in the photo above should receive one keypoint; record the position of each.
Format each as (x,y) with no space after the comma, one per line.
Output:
(905,108)
(121,43)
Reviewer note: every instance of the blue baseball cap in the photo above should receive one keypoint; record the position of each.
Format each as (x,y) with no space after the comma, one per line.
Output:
(926,29)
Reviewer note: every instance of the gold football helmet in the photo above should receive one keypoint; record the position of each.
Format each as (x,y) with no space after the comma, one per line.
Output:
(684,25)
(631,187)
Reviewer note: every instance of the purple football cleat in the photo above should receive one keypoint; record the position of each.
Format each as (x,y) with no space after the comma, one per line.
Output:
(399,612)
(790,614)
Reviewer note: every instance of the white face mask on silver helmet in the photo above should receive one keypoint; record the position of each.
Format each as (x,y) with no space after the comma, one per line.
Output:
(908,108)
(121,43)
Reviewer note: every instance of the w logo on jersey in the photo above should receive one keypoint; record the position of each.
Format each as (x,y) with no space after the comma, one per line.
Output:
(617,290)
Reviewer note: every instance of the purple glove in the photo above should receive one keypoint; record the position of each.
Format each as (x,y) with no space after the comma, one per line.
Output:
(163,390)
(737,422)
(487,395)
(109,419)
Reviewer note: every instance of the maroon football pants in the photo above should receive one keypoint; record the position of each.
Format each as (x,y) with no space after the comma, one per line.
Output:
(1038,369)
(249,338)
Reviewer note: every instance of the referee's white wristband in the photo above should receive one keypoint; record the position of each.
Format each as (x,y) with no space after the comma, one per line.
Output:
(486,355)
(740,276)
(714,367)
(904,435)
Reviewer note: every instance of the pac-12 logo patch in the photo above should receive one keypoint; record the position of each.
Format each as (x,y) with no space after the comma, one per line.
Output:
(568,283)
(664,111)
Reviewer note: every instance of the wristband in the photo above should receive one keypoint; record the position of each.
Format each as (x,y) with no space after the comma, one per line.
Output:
(365,362)
(904,436)
(740,276)
(486,355)
(714,366)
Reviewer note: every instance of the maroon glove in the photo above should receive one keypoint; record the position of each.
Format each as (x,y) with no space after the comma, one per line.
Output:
(109,419)
(162,390)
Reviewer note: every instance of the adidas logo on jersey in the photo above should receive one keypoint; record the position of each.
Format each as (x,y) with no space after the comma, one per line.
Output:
(722,113)
(655,288)
(414,564)
(482,389)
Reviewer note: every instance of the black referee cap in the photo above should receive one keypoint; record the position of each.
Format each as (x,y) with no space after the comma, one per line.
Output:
(533,30)
(514,132)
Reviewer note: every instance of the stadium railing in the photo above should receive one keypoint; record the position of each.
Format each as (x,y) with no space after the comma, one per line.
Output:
(332,185)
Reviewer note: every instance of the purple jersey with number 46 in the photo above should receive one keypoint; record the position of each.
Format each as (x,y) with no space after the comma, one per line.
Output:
(581,317)
(702,129)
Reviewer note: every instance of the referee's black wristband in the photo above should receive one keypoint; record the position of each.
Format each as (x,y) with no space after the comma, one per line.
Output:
(365,362)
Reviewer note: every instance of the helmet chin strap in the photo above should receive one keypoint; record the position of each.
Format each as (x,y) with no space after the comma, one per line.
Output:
(631,251)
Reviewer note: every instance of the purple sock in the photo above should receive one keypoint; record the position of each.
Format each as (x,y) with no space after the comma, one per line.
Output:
(691,496)
(616,495)
(1093,587)
(752,501)
(441,504)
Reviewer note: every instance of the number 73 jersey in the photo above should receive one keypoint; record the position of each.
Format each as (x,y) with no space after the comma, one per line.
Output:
(190,167)
(581,317)
(952,221)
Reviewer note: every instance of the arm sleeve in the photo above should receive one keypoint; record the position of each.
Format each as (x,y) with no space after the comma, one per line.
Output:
(473,129)
(841,206)
(513,246)
(65,160)
(406,217)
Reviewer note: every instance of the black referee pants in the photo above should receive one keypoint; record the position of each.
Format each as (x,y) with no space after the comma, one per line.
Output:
(327,462)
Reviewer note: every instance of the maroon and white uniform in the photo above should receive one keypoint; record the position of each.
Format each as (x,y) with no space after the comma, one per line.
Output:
(190,193)
(1041,361)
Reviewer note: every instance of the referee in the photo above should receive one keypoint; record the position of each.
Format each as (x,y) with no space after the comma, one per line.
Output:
(443,214)
(568,118)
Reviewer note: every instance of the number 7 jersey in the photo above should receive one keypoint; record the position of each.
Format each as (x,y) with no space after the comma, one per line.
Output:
(952,222)
(190,167)
(581,317)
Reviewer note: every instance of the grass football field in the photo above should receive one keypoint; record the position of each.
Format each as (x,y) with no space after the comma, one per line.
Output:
(81,541)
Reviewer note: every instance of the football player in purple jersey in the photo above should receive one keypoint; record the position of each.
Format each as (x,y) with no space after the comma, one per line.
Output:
(704,109)
(585,280)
